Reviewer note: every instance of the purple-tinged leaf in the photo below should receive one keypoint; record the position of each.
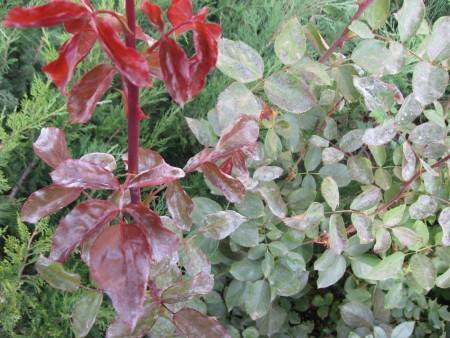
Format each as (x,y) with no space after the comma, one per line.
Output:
(193,324)
(78,225)
(153,13)
(70,55)
(50,14)
(82,174)
(103,160)
(51,146)
(119,263)
(164,243)
(47,201)
(244,132)
(200,285)
(88,91)
(180,205)
(232,188)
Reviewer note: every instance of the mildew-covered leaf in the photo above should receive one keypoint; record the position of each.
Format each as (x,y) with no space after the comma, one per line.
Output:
(429,82)
(290,43)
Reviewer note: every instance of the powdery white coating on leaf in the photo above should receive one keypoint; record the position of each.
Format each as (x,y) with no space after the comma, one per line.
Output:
(429,82)
(423,271)
(239,61)
(332,155)
(290,43)
(232,188)
(184,290)
(356,314)
(444,221)
(378,95)
(382,240)
(361,29)
(352,140)
(409,162)
(104,160)
(337,234)
(396,58)
(221,224)
(360,169)
(371,55)
(405,235)
(193,324)
(180,205)
(331,268)
(243,132)
(389,267)
(410,110)
(272,196)
(427,133)
(380,135)
(267,173)
(330,192)
(409,18)
(338,172)
(312,217)
(424,207)
(367,199)
(318,141)
(438,46)
(363,226)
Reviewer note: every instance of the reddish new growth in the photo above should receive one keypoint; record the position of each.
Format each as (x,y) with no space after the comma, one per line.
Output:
(119,240)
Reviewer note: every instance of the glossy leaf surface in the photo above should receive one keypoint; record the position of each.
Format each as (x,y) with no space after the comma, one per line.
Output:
(51,146)
(193,324)
(231,187)
(55,275)
(180,205)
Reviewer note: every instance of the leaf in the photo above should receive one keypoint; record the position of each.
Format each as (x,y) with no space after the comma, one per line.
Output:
(444,222)
(409,111)
(239,61)
(246,270)
(343,76)
(363,226)
(272,196)
(252,206)
(50,14)
(202,131)
(352,140)
(424,207)
(273,322)
(371,55)
(153,13)
(289,93)
(389,267)
(423,271)
(243,132)
(179,12)
(377,13)
(180,205)
(247,234)
(438,45)
(356,315)
(378,95)
(55,275)
(427,133)
(47,201)
(429,82)
(361,29)
(51,146)
(158,172)
(127,60)
(380,135)
(193,324)
(221,224)
(409,18)
(104,160)
(290,43)
(71,54)
(285,282)
(312,217)
(163,242)
(337,234)
(119,263)
(360,169)
(406,236)
(88,91)
(78,225)
(257,299)
(332,155)
(367,199)
(331,268)
(184,290)
(82,174)
(382,240)
(409,162)
(338,172)
(267,173)
(396,58)
(236,100)
(330,192)
(232,188)
(312,158)
(394,216)
(85,312)
(194,260)
(443,281)
(403,330)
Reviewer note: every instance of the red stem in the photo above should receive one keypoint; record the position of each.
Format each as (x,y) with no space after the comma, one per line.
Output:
(133,104)
(339,42)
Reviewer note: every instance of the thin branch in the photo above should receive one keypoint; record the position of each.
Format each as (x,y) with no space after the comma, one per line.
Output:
(23,178)
(339,42)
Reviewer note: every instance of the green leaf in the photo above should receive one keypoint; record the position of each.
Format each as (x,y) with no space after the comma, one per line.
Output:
(337,234)
(361,29)
(239,61)
(234,294)
(377,13)
(251,206)
(55,275)
(202,131)
(257,299)
(356,315)
(429,82)
(367,199)
(272,322)
(360,169)
(247,235)
(379,154)
(405,236)
(382,240)
(352,140)
(424,207)
(85,312)
(371,55)
(409,18)
(285,282)
(444,222)
(246,270)
(330,192)
(363,264)
(184,290)
(380,135)
(344,79)
(338,172)
(289,93)
(331,268)
(290,43)
(221,224)
(363,226)
(438,46)
(443,281)
(403,330)
(312,217)
(267,173)
(311,71)
(272,196)
(272,145)
(312,158)
(410,110)
(383,178)
(423,271)
(394,216)
(332,155)
(389,267)
(427,133)
(202,207)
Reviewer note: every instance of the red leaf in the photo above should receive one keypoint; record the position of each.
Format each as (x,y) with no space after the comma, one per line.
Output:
(175,70)
(88,91)
(194,324)
(47,201)
(70,55)
(179,12)
(232,188)
(164,243)
(244,132)
(83,174)
(51,146)
(154,14)
(50,14)
(154,63)
(119,263)
(227,166)
(180,205)
(128,60)
(73,229)
(157,172)
(239,163)
(78,25)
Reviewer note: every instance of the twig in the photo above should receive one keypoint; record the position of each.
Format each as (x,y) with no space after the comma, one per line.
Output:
(23,178)
(407,184)
(339,42)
